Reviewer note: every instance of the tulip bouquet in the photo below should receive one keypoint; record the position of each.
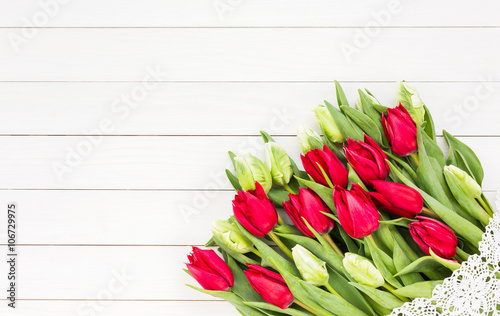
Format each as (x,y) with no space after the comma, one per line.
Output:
(377,217)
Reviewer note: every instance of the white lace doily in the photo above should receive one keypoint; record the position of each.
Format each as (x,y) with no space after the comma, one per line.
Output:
(472,290)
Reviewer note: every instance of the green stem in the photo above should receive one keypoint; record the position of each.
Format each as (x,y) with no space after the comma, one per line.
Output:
(280,244)
(330,288)
(255,251)
(391,289)
(462,254)
(334,246)
(280,220)
(430,213)
(415,158)
(287,187)
(485,206)
(307,308)
(370,238)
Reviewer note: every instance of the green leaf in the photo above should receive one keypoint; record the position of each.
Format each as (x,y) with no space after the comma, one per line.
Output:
(320,250)
(278,196)
(459,225)
(429,129)
(233,299)
(426,176)
(267,252)
(364,122)
(401,260)
(271,307)
(234,180)
(469,155)
(319,300)
(345,127)
(241,285)
(420,289)
(384,264)
(450,264)
(432,149)
(267,138)
(349,242)
(385,299)
(349,292)
(422,264)
(341,98)
(369,109)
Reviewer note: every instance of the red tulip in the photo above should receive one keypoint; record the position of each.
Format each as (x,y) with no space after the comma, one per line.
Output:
(429,233)
(270,285)
(400,130)
(367,159)
(210,270)
(308,205)
(332,166)
(357,213)
(255,211)
(396,198)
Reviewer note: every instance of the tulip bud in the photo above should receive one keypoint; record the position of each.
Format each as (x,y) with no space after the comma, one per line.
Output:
(308,139)
(362,270)
(396,198)
(210,270)
(255,211)
(308,205)
(328,125)
(400,130)
(357,213)
(325,159)
(367,159)
(231,236)
(429,234)
(279,163)
(270,285)
(463,179)
(416,102)
(250,169)
(312,269)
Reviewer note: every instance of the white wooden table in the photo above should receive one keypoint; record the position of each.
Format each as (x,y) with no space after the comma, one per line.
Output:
(116,116)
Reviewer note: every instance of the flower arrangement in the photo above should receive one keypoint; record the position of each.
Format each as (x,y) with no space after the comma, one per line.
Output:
(378,217)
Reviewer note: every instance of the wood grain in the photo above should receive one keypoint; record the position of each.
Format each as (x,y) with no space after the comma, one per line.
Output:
(214,108)
(251,54)
(255,13)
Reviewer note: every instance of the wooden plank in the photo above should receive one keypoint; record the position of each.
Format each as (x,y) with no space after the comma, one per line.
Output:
(76,108)
(121,217)
(151,162)
(129,273)
(116,217)
(248,54)
(118,308)
(197,13)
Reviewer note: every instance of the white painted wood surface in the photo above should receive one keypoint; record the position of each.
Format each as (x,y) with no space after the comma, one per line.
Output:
(150,180)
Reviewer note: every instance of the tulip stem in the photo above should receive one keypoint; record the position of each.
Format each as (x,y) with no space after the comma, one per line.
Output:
(307,308)
(330,288)
(287,187)
(370,238)
(255,251)
(280,220)
(334,246)
(458,259)
(280,244)
(485,206)
(391,289)
(415,158)
(428,212)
